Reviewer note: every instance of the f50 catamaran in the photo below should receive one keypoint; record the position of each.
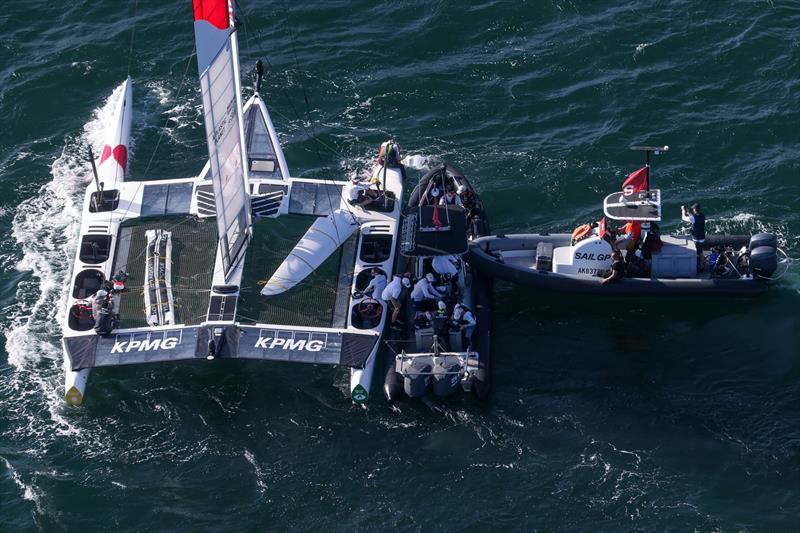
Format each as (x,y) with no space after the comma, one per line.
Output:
(191,291)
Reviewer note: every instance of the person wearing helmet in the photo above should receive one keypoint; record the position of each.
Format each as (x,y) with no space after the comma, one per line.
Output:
(451,198)
(463,320)
(424,291)
(377,284)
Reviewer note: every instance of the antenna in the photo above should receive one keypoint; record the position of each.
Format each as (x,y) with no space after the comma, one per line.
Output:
(655,150)
(259,75)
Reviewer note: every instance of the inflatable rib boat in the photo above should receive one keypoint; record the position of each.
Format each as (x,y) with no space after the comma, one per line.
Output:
(655,264)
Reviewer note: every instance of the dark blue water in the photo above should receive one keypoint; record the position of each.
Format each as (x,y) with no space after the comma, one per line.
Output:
(607,414)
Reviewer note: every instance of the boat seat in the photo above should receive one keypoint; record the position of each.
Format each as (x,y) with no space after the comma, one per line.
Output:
(562,256)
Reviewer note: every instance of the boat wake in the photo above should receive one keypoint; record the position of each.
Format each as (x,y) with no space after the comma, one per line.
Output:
(45,229)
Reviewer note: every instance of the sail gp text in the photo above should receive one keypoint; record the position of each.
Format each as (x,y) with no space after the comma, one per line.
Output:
(269,343)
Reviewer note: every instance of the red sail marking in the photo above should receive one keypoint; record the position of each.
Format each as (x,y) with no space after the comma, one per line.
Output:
(121,155)
(106,153)
(214,12)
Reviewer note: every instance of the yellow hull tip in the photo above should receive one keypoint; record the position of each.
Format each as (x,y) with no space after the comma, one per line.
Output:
(74,396)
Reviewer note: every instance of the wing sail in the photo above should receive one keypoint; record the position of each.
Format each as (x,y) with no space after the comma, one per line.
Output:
(218,65)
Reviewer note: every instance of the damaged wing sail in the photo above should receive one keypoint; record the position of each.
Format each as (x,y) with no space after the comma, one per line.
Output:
(321,240)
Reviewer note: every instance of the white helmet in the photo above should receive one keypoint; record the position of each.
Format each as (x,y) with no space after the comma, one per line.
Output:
(442,305)
(430,277)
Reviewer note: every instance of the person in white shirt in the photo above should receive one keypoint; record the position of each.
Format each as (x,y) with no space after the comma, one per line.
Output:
(361,194)
(451,198)
(444,264)
(424,290)
(377,284)
(391,294)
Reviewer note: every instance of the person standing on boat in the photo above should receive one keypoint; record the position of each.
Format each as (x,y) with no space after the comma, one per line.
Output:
(698,222)
(391,294)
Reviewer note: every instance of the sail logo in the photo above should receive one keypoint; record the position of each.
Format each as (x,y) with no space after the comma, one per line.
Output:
(145,343)
(291,340)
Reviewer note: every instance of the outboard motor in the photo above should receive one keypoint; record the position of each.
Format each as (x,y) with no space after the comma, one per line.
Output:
(763,261)
(763,239)
(763,254)
(416,383)
(446,379)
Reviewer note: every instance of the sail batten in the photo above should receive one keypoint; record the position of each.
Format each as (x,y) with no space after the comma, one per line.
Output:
(218,65)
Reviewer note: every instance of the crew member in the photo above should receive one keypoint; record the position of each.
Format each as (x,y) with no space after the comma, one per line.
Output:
(451,198)
(424,290)
(376,284)
(698,222)
(463,320)
(629,235)
(391,294)
(617,271)
(362,194)
(444,265)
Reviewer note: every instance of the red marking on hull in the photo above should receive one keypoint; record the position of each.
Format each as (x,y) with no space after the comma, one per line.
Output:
(214,12)
(120,153)
(106,153)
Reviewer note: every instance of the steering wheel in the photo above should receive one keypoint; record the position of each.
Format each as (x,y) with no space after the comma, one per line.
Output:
(369,308)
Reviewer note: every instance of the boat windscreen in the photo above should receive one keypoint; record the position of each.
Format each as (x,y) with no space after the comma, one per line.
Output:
(644,206)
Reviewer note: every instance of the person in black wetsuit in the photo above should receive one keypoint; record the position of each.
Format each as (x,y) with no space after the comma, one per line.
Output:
(698,222)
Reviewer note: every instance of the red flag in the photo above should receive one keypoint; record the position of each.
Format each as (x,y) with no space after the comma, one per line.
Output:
(637,181)
(601,227)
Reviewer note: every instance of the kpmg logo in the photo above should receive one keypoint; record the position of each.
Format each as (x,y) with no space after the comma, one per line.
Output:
(276,339)
(146,342)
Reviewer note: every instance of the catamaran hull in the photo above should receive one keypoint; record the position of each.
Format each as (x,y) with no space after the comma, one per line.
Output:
(111,170)
(483,256)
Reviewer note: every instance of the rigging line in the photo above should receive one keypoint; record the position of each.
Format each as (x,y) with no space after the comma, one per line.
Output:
(262,48)
(312,134)
(161,135)
(302,85)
